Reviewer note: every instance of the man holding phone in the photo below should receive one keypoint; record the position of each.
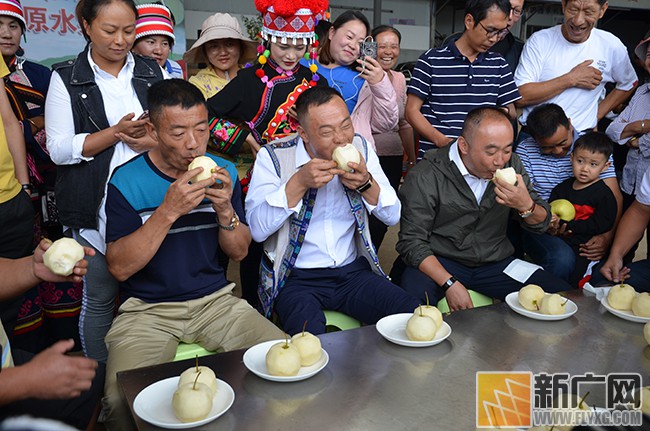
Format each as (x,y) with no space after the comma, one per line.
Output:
(450,81)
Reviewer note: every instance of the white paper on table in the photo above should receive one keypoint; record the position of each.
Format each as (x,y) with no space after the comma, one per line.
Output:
(600,292)
(520,270)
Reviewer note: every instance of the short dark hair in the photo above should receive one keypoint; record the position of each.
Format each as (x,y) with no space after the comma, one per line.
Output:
(595,142)
(87,10)
(172,92)
(324,55)
(476,116)
(600,2)
(478,9)
(315,96)
(383,29)
(544,120)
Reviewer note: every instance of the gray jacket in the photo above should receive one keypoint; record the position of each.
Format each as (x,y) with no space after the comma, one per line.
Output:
(440,215)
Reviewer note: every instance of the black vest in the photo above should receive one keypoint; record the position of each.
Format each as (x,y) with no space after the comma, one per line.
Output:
(80,187)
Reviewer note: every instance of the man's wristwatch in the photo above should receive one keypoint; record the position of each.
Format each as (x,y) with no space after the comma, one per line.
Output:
(234,222)
(447,284)
(365,186)
(529,212)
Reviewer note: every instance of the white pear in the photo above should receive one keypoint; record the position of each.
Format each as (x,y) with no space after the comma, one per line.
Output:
(63,255)
(205,376)
(208,166)
(192,402)
(507,174)
(641,304)
(530,297)
(432,312)
(563,209)
(646,335)
(421,327)
(308,346)
(621,296)
(552,304)
(283,359)
(344,154)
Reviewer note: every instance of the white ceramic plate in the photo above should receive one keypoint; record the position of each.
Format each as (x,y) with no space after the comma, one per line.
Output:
(623,314)
(154,404)
(255,361)
(513,302)
(393,328)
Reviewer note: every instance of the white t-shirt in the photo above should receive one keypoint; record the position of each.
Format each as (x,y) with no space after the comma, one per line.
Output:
(643,192)
(547,55)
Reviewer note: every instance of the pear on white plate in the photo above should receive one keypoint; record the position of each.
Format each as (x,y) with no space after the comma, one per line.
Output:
(192,401)
(530,297)
(553,304)
(431,311)
(421,327)
(283,359)
(204,374)
(621,296)
(308,346)
(641,304)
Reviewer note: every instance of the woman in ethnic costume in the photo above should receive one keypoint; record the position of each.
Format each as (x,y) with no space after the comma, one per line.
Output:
(254,107)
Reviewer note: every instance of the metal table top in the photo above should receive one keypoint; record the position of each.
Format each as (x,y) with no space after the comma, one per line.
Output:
(372,384)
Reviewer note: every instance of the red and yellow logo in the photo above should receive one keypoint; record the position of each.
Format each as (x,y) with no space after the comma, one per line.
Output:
(503,399)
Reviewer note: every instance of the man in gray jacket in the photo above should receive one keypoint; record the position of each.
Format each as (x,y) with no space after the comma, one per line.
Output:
(455,214)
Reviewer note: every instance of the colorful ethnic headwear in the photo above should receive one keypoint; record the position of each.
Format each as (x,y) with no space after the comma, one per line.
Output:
(153,20)
(290,19)
(14,9)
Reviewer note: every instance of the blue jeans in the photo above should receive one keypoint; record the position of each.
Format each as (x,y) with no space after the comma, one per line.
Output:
(487,279)
(97,306)
(352,289)
(639,276)
(551,253)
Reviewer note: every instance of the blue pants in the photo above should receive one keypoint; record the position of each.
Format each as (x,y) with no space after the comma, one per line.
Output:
(639,276)
(352,289)
(487,279)
(551,253)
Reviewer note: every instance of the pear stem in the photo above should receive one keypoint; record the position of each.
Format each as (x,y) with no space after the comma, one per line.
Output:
(304,326)
(426,295)
(197,362)
(196,379)
(286,341)
(420,309)
(583,400)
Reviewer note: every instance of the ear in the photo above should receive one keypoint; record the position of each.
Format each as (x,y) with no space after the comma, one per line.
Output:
(606,166)
(151,130)
(603,9)
(302,133)
(469,22)
(330,33)
(571,157)
(463,145)
(85,25)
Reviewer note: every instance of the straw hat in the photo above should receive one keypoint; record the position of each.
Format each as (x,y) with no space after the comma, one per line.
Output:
(154,20)
(220,26)
(642,48)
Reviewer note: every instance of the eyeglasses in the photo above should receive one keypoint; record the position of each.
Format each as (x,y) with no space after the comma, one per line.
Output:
(516,12)
(492,33)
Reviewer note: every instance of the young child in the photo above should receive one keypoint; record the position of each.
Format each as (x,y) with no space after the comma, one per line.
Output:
(594,202)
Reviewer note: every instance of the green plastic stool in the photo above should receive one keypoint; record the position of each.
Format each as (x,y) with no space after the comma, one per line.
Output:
(478,299)
(189,351)
(337,321)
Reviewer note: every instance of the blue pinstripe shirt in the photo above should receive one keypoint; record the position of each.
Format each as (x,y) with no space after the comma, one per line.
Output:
(451,86)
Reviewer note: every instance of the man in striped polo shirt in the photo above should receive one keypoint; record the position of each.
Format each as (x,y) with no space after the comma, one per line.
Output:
(449,82)
(546,156)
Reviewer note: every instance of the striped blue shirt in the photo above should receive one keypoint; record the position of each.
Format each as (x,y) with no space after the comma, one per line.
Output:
(451,86)
(547,171)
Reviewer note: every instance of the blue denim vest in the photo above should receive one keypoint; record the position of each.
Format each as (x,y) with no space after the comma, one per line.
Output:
(80,187)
